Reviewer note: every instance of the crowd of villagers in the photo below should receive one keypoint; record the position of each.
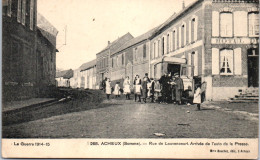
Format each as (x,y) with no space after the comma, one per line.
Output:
(168,89)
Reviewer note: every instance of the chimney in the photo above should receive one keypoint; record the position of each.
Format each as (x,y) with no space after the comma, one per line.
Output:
(108,42)
(183,4)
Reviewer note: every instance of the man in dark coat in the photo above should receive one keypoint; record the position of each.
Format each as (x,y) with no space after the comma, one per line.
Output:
(178,88)
(146,80)
(103,84)
(164,81)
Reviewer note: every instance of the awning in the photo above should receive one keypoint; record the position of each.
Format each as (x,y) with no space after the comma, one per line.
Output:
(170,60)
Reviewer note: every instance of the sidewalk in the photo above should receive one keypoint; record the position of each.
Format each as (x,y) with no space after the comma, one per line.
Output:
(14,105)
(248,110)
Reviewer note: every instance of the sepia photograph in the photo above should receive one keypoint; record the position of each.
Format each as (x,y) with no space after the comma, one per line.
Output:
(114,71)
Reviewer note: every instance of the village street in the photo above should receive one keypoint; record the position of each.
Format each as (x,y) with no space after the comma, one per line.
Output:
(93,117)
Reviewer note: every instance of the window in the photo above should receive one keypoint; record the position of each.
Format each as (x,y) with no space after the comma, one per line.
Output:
(226,62)
(192,30)
(9,8)
(123,59)
(253,24)
(168,40)
(159,47)
(135,54)
(112,62)
(144,51)
(117,61)
(163,39)
(154,50)
(31,14)
(226,24)
(174,40)
(182,35)
(19,11)
(23,12)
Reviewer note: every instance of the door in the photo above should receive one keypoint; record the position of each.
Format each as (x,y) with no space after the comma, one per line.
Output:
(252,63)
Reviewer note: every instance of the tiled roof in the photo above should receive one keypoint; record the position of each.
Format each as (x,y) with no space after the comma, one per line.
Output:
(175,16)
(117,43)
(87,65)
(65,74)
(136,40)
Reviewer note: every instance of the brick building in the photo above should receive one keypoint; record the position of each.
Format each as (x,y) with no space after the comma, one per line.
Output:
(19,47)
(210,41)
(131,59)
(103,60)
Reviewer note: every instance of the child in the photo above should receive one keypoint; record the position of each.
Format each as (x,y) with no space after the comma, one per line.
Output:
(157,91)
(197,96)
(108,88)
(117,90)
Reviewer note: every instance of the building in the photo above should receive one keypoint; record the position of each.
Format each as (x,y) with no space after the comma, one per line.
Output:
(88,75)
(103,60)
(76,79)
(46,55)
(19,56)
(131,59)
(212,41)
(63,78)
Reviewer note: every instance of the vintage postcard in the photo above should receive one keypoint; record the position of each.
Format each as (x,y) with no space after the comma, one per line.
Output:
(130,79)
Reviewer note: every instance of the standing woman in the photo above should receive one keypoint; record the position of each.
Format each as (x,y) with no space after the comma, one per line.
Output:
(146,80)
(126,86)
(108,88)
(138,88)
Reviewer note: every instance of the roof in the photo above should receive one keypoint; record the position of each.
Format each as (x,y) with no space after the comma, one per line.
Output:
(117,43)
(65,74)
(44,24)
(175,16)
(136,40)
(88,65)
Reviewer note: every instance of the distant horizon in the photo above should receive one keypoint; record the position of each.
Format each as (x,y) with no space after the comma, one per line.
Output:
(84,38)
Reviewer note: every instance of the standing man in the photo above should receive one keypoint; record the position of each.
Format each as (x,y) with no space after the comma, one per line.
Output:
(178,88)
(164,81)
(103,84)
(146,80)
(138,88)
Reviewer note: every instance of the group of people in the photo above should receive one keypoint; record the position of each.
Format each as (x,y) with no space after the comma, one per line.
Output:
(169,88)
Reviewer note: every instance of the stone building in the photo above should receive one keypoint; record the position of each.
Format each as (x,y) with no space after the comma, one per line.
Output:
(46,55)
(88,75)
(212,41)
(19,58)
(131,59)
(63,78)
(103,60)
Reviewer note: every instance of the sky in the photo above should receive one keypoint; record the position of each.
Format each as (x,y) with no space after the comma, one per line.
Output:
(92,23)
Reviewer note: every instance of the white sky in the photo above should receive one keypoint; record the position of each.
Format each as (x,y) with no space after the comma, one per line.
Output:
(91,23)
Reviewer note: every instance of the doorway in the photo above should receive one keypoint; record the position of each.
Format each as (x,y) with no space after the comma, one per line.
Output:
(174,68)
(252,65)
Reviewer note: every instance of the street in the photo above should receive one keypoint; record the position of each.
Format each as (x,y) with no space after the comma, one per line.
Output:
(119,118)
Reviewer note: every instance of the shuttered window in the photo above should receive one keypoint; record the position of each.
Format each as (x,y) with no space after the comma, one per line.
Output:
(253,24)
(19,6)
(168,42)
(144,51)
(123,59)
(226,24)
(9,8)
(23,12)
(215,61)
(31,14)
(174,41)
(226,62)
(196,63)
(180,38)
(163,45)
(215,24)
(238,61)
(240,23)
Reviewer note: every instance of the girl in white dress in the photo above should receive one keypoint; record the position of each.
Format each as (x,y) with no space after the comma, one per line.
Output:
(197,97)
(117,90)
(108,88)
(127,90)
(138,88)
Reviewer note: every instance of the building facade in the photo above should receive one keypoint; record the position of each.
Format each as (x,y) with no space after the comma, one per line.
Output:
(208,44)
(103,60)
(63,78)
(131,59)
(19,49)
(46,55)
(88,75)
